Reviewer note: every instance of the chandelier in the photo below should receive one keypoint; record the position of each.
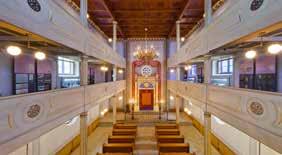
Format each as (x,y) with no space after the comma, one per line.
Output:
(146,53)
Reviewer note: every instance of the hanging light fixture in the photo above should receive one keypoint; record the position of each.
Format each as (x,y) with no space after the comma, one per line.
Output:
(14,50)
(251,54)
(40,55)
(274,48)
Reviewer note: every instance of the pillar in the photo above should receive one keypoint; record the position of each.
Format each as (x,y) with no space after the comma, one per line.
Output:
(114,36)
(115,73)
(208,12)
(114,101)
(178,73)
(177,108)
(84,70)
(178,35)
(83,12)
(83,133)
(207,71)
(207,133)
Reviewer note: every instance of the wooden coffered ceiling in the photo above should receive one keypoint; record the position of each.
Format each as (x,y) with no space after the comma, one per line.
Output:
(133,16)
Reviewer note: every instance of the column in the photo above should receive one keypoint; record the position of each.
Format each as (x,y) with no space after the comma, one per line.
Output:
(115,73)
(177,108)
(207,133)
(207,71)
(208,12)
(114,36)
(178,73)
(114,101)
(177,35)
(84,70)
(83,133)
(83,12)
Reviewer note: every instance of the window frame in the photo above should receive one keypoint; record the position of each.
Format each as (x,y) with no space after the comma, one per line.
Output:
(72,69)
(229,64)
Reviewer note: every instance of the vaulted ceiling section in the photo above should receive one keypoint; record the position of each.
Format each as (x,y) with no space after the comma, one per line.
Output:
(133,16)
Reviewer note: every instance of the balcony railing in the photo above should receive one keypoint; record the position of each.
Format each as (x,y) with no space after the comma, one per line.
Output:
(24,117)
(254,112)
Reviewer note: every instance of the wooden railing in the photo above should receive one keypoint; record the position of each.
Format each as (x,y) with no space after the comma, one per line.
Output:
(25,117)
(257,113)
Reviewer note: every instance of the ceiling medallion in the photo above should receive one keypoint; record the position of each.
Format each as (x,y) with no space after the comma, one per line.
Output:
(34,5)
(256,4)
(256,108)
(33,111)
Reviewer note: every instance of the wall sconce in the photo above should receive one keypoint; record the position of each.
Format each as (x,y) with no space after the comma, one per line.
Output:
(120,98)
(188,67)
(171,70)
(110,40)
(120,71)
(104,68)
(171,98)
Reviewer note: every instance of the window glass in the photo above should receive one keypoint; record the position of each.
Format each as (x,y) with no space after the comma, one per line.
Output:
(66,66)
(225,66)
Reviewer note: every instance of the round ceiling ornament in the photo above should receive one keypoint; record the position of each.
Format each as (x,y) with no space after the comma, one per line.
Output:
(256,4)
(34,5)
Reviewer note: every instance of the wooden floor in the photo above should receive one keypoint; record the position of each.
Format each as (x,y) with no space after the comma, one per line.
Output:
(145,140)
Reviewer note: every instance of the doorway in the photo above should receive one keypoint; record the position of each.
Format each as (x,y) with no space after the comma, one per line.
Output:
(146,98)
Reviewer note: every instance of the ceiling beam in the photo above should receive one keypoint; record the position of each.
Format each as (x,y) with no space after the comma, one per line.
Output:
(106,4)
(179,16)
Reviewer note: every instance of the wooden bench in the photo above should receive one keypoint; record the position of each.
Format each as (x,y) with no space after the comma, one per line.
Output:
(124,132)
(121,139)
(114,154)
(173,147)
(118,148)
(125,126)
(167,132)
(166,126)
(170,139)
(177,153)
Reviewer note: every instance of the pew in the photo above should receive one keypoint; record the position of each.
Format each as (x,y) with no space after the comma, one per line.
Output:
(166,126)
(124,132)
(167,132)
(118,148)
(170,139)
(173,147)
(125,126)
(178,153)
(114,154)
(121,139)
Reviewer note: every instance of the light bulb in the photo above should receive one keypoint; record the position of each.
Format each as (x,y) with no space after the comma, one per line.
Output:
(182,39)
(110,40)
(14,50)
(40,55)
(172,70)
(274,49)
(251,54)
